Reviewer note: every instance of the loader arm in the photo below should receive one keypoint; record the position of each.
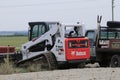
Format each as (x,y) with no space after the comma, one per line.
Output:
(47,37)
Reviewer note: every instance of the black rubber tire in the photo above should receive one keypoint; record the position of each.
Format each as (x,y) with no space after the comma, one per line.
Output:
(113,24)
(115,61)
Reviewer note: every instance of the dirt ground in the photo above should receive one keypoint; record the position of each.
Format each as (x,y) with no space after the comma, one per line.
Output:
(68,74)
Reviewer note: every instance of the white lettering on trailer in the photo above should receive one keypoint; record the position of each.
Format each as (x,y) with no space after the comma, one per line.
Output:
(77,53)
(102,42)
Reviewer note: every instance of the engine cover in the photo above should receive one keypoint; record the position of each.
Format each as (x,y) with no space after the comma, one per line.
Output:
(77,48)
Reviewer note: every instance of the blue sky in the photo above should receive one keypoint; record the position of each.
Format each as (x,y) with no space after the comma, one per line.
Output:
(15,14)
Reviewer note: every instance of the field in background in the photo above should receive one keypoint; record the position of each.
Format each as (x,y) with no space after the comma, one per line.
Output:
(16,41)
(9,67)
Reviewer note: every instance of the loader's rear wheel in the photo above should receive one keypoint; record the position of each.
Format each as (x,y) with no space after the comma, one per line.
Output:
(115,61)
(48,61)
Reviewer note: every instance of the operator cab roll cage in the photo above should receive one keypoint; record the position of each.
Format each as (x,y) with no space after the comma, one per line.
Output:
(43,26)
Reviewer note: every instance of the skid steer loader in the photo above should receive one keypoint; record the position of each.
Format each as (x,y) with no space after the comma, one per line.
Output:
(54,44)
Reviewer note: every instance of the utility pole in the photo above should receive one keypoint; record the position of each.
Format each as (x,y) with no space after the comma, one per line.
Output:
(113,10)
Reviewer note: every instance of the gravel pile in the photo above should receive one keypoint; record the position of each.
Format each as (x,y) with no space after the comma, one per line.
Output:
(69,74)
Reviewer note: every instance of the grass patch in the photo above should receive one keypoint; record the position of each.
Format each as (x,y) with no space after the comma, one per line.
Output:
(6,67)
(10,68)
(34,68)
(16,41)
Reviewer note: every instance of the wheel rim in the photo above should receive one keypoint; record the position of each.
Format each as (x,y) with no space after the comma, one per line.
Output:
(115,62)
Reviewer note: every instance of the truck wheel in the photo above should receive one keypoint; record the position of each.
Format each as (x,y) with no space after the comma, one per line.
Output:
(115,61)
